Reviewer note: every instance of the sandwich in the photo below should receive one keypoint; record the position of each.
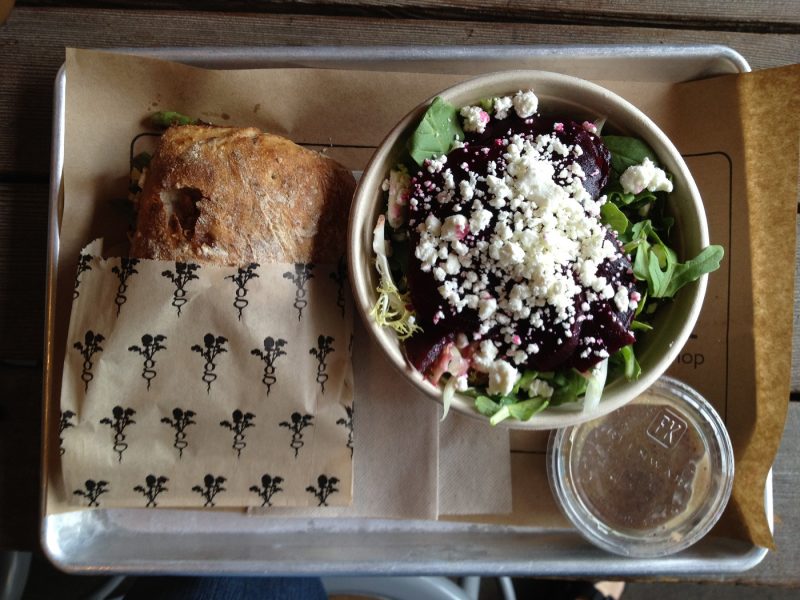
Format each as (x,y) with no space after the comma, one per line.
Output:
(231,196)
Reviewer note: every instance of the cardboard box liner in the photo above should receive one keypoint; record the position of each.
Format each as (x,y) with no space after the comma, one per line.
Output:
(739,135)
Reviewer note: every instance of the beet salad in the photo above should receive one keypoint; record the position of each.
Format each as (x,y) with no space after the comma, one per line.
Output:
(517,253)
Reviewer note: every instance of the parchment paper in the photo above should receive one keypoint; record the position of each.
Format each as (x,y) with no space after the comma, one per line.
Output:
(732,358)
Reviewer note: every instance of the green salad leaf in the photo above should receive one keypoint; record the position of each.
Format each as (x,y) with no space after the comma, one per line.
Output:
(631,366)
(627,152)
(166,118)
(611,215)
(657,264)
(436,132)
(567,387)
(521,411)
(707,261)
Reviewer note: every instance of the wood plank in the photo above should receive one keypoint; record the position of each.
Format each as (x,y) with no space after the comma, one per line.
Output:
(23,241)
(775,16)
(32,49)
(20,418)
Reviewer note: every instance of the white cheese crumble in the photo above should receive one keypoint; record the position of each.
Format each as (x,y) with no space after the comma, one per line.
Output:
(645,176)
(483,359)
(502,377)
(475,118)
(437,164)
(501,107)
(540,388)
(455,228)
(525,103)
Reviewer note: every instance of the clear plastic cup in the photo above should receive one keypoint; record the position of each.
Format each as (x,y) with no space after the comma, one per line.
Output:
(649,479)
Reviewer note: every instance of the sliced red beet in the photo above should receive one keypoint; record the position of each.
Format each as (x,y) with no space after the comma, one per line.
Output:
(424,348)
(556,347)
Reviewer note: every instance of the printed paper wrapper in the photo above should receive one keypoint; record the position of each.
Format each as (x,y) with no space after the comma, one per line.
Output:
(190,385)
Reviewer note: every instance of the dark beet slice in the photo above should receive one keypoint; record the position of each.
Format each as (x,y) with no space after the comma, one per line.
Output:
(556,347)
(607,329)
(423,348)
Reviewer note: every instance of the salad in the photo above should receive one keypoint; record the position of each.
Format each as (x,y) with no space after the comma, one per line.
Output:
(520,255)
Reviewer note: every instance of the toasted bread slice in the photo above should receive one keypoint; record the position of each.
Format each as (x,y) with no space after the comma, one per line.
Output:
(230,196)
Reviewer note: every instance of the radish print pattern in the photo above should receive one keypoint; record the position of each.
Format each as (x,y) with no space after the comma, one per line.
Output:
(150,345)
(212,347)
(241,278)
(135,428)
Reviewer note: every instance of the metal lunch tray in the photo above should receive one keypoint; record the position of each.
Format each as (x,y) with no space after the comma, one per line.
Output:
(205,542)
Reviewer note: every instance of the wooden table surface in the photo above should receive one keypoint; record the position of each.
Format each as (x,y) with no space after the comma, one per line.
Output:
(32,44)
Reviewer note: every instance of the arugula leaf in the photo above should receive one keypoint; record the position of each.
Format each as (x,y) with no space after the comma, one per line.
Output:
(436,131)
(567,387)
(165,118)
(627,152)
(525,381)
(487,104)
(657,264)
(613,217)
(640,306)
(522,411)
(632,368)
(707,261)
(641,326)
(620,198)
(486,406)
(660,274)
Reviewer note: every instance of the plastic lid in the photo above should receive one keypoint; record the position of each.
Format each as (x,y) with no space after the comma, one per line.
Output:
(648,479)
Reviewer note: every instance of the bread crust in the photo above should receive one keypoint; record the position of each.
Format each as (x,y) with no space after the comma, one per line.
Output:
(231,196)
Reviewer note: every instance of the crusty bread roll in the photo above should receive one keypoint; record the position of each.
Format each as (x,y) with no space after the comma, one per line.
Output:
(230,196)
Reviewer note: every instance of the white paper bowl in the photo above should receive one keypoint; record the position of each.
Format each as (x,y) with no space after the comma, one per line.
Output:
(579,100)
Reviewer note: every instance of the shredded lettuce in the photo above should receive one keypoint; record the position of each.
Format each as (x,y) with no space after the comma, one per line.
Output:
(594,387)
(448,393)
(392,308)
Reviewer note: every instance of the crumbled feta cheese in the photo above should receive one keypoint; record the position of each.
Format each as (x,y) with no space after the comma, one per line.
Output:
(525,103)
(502,106)
(622,300)
(645,176)
(452,267)
(590,127)
(486,308)
(502,377)
(435,165)
(455,228)
(433,225)
(467,190)
(475,118)
(479,219)
(483,359)
(540,388)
